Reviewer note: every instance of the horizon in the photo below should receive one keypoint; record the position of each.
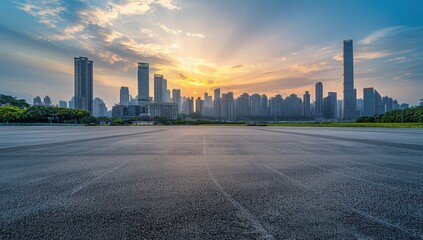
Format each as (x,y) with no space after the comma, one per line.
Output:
(241,47)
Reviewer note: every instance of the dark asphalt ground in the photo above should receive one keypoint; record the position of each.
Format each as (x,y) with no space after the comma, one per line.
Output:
(210,183)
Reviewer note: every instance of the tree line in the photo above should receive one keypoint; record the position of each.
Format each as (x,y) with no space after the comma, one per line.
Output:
(408,115)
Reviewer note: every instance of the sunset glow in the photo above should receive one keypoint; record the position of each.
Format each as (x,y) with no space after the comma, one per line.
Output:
(244,46)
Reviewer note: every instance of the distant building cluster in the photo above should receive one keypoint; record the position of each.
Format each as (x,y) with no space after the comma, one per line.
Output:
(225,106)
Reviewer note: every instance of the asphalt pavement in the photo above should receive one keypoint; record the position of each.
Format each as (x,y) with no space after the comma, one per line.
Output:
(210,183)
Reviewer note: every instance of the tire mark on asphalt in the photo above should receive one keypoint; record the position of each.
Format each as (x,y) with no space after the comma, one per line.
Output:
(366,215)
(55,144)
(365,141)
(244,213)
(92,180)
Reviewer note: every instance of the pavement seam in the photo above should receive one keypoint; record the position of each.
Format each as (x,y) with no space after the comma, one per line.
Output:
(245,213)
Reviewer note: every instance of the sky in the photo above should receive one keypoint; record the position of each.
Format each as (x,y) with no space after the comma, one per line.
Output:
(255,46)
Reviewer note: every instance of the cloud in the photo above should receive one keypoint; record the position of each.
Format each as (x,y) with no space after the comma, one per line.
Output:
(382,33)
(197,35)
(168,30)
(47,11)
(190,81)
(308,68)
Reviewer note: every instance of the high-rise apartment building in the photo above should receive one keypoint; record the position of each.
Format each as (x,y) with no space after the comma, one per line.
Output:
(292,106)
(264,106)
(199,105)
(350,94)
(83,75)
(255,105)
(275,106)
(227,106)
(208,105)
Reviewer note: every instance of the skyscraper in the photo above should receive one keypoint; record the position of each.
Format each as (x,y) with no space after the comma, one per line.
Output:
(243,106)
(158,88)
(208,105)
(124,96)
(275,105)
(369,102)
(306,104)
(217,103)
(319,99)
(264,106)
(83,84)
(165,97)
(350,94)
(176,98)
(255,105)
(330,106)
(199,105)
(143,84)
(292,106)
(227,106)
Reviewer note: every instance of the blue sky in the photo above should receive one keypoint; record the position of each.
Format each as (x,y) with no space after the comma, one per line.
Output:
(254,46)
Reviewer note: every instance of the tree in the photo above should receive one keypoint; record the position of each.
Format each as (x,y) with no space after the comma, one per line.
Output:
(12,101)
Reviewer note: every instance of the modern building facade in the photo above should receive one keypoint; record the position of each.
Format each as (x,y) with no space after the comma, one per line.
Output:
(369,102)
(292,106)
(143,84)
(169,110)
(199,103)
(99,108)
(208,105)
(350,94)
(63,104)
(318,100)
(158,88)
(217,103)
(83,76)
(275,106)
(124,96)
(330,106)
(306,104)
(188,105)
(227,106)
(176,98)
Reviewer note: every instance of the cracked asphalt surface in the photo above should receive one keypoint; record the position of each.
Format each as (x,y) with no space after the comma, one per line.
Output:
(210,183)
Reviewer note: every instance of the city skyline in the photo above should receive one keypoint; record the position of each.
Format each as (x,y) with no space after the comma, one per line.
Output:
(388,49)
